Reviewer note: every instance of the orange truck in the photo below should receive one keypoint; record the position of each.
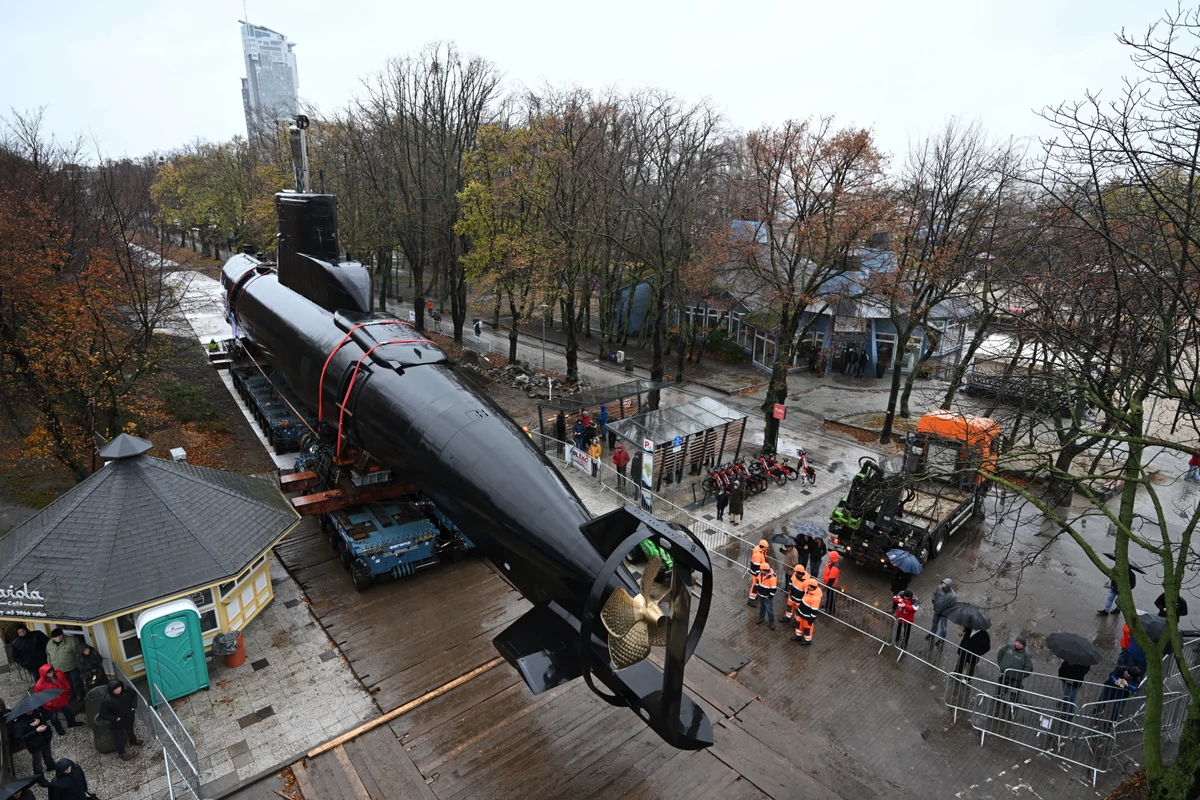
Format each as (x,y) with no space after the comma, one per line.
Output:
(937,489)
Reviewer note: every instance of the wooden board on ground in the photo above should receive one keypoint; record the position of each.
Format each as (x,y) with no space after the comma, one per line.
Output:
(491,738)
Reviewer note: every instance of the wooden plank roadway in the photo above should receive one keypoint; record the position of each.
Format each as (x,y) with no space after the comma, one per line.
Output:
(490,738)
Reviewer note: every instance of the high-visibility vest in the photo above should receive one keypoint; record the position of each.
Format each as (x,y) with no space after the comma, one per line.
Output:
(796,587)
(812,598)
(767,583)
(758,556)
(830,575)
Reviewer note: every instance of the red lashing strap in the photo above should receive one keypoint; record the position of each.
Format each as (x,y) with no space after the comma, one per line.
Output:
(346,338)
(354,377)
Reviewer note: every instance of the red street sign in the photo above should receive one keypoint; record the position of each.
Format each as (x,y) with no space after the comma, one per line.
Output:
(779,411)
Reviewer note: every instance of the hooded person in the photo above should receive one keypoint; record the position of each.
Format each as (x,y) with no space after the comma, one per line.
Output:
(758,557)
(830,577)
(29,650)
(33,729)
(118,708)
(944,596)
(69,782)
(796,586)
(51,679)
(975,644)
(91,667)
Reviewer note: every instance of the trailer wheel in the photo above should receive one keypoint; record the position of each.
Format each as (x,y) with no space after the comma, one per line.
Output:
(923,550)
(361,578)
(347,559)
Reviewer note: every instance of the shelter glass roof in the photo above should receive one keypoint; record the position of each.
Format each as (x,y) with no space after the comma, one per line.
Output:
(664,424)
(603,394)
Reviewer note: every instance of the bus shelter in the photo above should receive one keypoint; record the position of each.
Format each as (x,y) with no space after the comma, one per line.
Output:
(621,399)
(691,435)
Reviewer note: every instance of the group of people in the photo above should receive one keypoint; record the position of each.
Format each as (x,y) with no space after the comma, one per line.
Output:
(734,499)
(63,664)
(805,592)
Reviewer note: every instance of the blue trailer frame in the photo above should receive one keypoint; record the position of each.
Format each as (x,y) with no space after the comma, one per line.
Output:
(394,538)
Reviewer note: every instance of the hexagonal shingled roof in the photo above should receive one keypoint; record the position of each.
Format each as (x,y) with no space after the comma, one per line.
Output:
(138,530)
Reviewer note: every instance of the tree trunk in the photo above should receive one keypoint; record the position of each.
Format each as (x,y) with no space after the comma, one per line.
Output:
(1181,781)
(496,311)
(657,363)
(889,418)
(960,369)
(572,342)
(512,331)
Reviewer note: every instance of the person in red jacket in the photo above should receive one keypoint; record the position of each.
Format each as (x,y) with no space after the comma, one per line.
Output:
(620,459)
(905,605)
(1193,472)
(50,678)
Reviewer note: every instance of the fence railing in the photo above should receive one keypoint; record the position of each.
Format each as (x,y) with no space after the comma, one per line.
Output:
(1093,732)
(178,746)
(1021,717)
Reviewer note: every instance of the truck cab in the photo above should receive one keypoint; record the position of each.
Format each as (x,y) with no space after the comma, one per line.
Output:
(938,488)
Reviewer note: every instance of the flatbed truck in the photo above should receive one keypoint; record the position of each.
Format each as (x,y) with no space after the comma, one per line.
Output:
(939,488)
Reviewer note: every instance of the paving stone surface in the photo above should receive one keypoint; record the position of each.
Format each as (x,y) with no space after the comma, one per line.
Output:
(296,701)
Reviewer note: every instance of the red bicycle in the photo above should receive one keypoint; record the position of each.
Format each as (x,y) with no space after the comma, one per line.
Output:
(810,474)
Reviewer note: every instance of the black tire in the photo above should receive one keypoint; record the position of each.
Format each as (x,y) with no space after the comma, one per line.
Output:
(709,485)
(361,579)
(811,477)
(781,479)
(939,543)
(792,474)
(923,551)
(347,559)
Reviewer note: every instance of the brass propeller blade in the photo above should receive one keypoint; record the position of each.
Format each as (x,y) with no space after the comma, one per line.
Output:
(621,611)
(631,648)
(650,574)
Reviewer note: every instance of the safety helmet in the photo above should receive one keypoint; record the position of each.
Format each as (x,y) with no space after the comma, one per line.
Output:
(834,558)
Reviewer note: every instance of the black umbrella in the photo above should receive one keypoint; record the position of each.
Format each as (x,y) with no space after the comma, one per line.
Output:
(9,789)
(35,700)
(1133,565)
(1154,626)
(968,616)
(1074,649)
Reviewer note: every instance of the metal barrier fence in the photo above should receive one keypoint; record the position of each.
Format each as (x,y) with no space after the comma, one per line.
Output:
(179,749)
(1021,717)
(1093,734)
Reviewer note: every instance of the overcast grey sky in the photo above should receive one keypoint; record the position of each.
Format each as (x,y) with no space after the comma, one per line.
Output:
(140,76)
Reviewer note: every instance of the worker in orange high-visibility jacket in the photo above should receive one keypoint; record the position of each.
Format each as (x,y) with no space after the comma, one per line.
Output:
(829,577)
(767,582)
(758,557)
(806,614)
(796,589)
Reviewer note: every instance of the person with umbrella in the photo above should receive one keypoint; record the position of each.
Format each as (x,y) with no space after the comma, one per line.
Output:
(31,724)
(1079,656)
(975,644)
(52,679)
(69,782)
(943,597)
(19,789)
(1112,590)
(905,565)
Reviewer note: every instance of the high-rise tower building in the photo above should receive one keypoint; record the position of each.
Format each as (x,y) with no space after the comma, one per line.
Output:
(270,88)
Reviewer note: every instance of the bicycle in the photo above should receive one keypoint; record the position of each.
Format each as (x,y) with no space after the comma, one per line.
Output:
(810,474)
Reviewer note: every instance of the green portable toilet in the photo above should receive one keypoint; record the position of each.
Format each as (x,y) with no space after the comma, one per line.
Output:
(173,649)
